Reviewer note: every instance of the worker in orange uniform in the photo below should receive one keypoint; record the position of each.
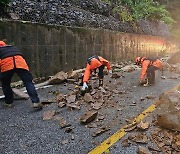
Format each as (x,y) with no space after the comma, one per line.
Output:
(12,61)
(149,66)
(95,62)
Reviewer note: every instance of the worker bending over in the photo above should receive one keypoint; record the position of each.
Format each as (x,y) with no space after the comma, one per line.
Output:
(94,63)
(12,61)
(149,66)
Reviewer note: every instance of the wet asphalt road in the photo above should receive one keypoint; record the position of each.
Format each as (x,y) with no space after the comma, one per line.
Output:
(22,130)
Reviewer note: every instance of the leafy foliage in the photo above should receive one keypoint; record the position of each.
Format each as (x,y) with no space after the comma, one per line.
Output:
(129,10)
(4,3)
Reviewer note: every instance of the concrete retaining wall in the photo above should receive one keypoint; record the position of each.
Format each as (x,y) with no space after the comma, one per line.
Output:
(49,49)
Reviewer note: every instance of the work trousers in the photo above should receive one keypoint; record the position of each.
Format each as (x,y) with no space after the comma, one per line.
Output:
(26,77)
(151,73)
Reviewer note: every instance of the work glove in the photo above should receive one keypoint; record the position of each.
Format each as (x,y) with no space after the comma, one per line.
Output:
(85,86)
(110,71)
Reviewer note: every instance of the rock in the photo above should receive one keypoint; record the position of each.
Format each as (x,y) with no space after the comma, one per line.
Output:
(88,116)
(115,76)
(175,58)
(169,121)
(14,16)
(143,150)
(150,97)
(71,99)
(68,129)
(97,105)
(140,138)
(47,115)
(129,127)
(65,141)
(64,124)
(49,101)
(60,98)
(88,98)
(128,68)
(125,143)
(168,115)
(20,93)
(58,78)
(61,104)
(143,125)
(100,131)
(73,106)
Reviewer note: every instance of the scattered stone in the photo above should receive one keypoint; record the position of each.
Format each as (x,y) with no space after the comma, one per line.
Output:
(20,93)
(71,99)
(72,137)
(63,123)
(101,117)
(142,99)
(125,143)
(60,98)
(88,98)
(128,68)
(163,77)
(61,104)
(153,148)
(65,141)
(47,115)
(100,131)
(130,127)
(73,106)
(143,150)
(68,129)
(115,76)
(88,116)
(58,78)
(49,101)
(150,97)
(140,138)
(97,105)
(92,125)
(143,125)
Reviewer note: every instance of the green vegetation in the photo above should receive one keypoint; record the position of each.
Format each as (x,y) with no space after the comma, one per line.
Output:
(3,6)
(4,3)
(133,10)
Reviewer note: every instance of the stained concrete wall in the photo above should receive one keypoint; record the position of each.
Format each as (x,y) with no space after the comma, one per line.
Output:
(49,49)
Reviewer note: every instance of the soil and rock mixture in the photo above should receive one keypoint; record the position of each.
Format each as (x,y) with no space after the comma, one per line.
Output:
(81,13)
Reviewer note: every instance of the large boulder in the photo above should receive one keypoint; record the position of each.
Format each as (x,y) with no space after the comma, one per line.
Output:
(175,58)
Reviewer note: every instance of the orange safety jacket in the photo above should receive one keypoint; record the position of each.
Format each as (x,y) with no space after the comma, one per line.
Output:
(95,63)
(11,60)
(146,63)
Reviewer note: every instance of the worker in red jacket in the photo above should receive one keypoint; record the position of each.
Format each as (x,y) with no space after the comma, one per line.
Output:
(95,62)
(12,61)
(149,66)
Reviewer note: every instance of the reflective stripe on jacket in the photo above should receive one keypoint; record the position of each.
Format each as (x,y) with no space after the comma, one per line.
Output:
(95,63)
(146,64)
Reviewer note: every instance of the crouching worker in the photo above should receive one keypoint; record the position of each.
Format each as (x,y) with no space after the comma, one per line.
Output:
(11,61)
(149,66)
(95,62)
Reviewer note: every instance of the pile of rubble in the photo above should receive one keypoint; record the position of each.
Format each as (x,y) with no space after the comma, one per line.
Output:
(160,133)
